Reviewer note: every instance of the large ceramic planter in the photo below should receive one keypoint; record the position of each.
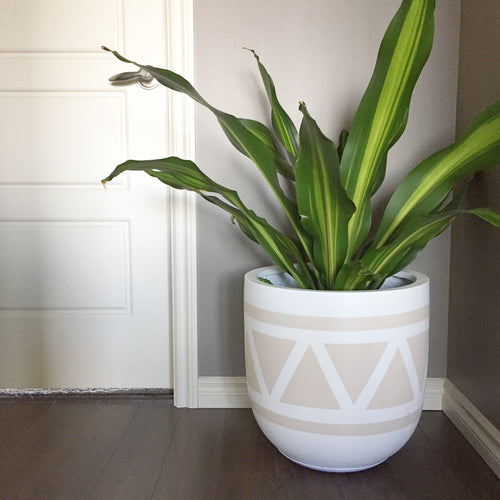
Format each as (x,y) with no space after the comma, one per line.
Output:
(336,379)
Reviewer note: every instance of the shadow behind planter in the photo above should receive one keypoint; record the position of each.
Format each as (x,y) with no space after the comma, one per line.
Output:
(336,378)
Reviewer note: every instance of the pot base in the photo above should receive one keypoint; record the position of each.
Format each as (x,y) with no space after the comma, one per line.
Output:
(331,469)
(333,453)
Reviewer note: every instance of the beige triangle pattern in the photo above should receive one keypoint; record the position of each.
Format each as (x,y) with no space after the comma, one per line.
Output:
(309,386)
(395,388)
(251,376)
(272,354)
(418,348)
(355,364)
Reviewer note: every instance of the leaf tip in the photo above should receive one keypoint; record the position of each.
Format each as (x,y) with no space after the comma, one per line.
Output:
(252,51)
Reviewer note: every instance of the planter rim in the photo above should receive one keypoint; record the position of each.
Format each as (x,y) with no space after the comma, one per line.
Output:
(416,279)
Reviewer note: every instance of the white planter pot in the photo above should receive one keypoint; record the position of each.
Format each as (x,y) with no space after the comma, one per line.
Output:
(336,379)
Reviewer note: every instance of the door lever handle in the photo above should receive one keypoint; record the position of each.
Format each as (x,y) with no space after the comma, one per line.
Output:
(142,77)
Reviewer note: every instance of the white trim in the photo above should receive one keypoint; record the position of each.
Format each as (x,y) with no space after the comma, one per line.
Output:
(433,395)
(181,142)
(223,392)
(476,428)
(231,392)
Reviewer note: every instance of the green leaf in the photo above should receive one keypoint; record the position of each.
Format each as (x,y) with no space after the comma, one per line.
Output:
(282,124)
(487,215)
(391,258)
(278,246)
(323,203)
(428,184)
(250,137)
(414,236)
(353,276)
(383,111)
(185,174)
(265,280)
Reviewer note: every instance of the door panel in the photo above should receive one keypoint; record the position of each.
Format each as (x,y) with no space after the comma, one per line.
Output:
(26,115)
(60,25)
(84,276)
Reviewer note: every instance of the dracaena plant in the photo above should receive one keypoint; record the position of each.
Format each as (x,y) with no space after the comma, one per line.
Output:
(331,212)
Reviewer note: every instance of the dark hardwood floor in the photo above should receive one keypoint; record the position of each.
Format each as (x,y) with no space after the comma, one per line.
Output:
(145,448)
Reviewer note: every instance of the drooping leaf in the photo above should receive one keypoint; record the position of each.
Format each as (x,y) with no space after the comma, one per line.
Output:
(414,236)
(278,246)
(383,111)
(185,174)
(487,215)
(283,125)
(323,203)
(428,184)
(391,258)
(250,137)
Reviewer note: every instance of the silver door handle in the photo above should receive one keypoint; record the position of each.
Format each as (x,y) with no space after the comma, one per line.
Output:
(142,77)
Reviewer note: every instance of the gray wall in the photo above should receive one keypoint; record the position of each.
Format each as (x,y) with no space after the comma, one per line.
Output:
(322,52)
(474,335)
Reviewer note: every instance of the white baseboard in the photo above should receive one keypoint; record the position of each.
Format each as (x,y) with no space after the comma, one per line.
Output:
(476,428)
(433,395)
(222,392)
(231,392)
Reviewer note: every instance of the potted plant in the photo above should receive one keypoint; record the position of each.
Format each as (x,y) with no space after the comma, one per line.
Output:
(336,333)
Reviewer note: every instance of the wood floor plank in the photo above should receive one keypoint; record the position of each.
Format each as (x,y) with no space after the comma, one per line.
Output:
(193,457)
(252,468)
(418,470)
(469,470)
(133,469)
(27,457)
(82,460)
(16,416)
(235,475)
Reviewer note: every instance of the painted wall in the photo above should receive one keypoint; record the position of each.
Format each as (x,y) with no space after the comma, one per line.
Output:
(322,52)
(474,335)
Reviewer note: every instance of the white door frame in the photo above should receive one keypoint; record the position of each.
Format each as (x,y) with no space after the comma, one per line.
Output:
(181,142)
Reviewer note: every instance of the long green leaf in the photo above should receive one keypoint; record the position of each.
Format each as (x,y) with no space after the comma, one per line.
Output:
(283,125)
(382,113)
(323,203)
(185,174)
(428,184)
(278,246)
(391,258)
(487,215)
(262,133)
(377,264)
(250,137)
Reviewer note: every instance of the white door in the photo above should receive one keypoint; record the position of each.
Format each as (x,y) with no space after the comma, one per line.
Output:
(84,277)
